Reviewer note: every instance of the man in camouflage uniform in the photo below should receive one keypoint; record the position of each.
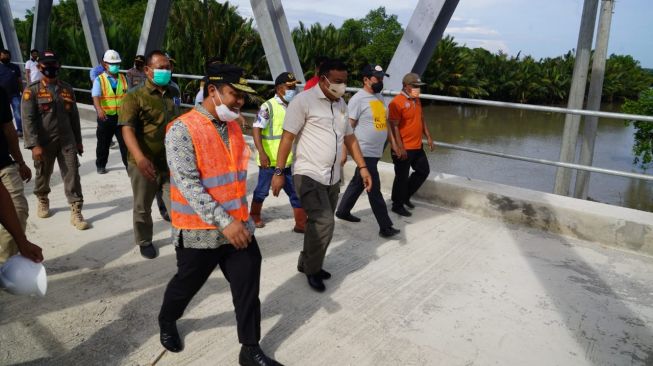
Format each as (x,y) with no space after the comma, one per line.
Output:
(53,132)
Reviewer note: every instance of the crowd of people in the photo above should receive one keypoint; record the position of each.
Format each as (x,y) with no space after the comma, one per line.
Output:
(195,164)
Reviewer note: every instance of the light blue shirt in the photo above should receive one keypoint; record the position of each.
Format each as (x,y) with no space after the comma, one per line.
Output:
(97,87)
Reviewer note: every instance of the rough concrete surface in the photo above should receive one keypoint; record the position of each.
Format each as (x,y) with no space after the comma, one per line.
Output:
(453,289)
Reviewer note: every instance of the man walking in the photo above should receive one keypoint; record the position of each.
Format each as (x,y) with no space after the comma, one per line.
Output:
(108,91)
(12,83)
(136,76)
(208,160)
(144,113)
(317,119)
(32,72)
(367,115)
(267,131)
(13,171)
(407,127)
(53,133)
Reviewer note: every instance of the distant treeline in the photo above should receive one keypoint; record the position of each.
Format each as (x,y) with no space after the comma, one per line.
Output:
(201,29)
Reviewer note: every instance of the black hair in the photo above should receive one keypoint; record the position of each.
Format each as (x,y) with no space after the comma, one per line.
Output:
(332,64)
(5,51)
(151,54)
(33,50)
(319,60)
(218,85)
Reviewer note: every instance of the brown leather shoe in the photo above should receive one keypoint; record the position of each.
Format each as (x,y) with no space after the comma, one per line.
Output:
(255,212)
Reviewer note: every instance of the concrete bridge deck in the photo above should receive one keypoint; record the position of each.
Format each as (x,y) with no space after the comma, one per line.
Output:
(455,288)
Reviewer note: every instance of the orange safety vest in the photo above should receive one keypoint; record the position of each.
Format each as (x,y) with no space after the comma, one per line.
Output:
(110,101)
(223,171)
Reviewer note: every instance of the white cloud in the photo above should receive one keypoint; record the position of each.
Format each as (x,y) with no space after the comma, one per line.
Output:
(472,30)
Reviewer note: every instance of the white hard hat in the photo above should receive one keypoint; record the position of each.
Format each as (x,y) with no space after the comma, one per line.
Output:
(111,57)
(21,276)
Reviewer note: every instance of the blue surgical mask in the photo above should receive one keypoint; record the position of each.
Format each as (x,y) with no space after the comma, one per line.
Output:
(290,93)
(161,77)
(114,69)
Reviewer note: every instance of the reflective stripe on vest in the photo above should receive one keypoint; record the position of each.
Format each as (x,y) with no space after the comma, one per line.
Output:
(222,170)
(271,134)
(110,101)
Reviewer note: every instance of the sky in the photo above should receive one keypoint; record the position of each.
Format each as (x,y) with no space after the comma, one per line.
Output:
(540,28)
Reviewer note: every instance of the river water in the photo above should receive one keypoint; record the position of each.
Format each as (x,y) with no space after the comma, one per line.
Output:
(537,135)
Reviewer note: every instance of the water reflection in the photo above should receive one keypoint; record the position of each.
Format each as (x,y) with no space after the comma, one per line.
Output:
(537,135)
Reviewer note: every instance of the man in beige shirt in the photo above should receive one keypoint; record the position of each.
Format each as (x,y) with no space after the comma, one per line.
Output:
(317,121)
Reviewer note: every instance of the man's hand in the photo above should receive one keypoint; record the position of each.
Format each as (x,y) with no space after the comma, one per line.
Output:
(25,172)
(146,168)
(430,143)
(277,184)
(101,115)
(80,149)
(30,251)
(367,179)
(399,152)
(237,234)
(37,153)
(265,160)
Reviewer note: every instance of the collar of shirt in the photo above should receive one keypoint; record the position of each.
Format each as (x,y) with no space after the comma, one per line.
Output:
(200,108)
(278,99)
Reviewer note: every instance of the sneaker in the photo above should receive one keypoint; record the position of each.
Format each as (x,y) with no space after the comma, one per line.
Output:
(102,170)
(401,211)
(388,232)
(148,251)
(19,133)
(409,205)
(113,145)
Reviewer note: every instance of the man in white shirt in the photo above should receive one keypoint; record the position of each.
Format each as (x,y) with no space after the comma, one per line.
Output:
(32,72)
(317,121)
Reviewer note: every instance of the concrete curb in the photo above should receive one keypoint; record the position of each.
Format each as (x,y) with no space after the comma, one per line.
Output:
(610,225)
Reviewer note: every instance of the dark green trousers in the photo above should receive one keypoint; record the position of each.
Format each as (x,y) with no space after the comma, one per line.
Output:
(319,201)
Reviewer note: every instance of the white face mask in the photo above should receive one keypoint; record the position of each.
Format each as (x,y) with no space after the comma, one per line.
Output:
(337,90)
(224,113)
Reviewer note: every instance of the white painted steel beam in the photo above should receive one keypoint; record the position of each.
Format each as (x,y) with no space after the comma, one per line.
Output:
(96,38)
(154,26)
(421,37)
(277,40)
(41,25)
(8,32)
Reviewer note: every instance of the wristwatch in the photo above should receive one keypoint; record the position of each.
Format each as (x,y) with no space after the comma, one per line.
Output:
(278,171)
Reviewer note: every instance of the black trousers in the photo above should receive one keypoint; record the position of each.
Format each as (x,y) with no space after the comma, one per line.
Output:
(105,131)
(404,186)
(242,268)
(356,187)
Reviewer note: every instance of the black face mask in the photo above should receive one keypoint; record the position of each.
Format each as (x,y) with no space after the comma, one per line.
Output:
(4,60)
(377,87)
(50,71)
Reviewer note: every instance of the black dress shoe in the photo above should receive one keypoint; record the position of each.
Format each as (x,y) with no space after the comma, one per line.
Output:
(148,251)
(323,274)
(389,232)
(315,281)
(170,336)
(347,217)
(409,204)
(401,211)
(254,356)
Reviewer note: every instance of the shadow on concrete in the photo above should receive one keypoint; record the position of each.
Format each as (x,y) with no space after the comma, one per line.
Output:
(608,330)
